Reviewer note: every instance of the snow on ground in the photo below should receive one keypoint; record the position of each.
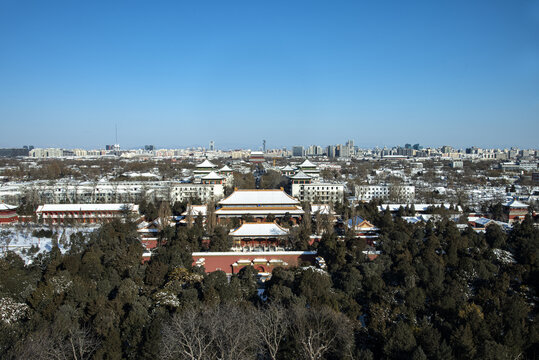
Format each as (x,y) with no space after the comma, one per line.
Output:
(20,239)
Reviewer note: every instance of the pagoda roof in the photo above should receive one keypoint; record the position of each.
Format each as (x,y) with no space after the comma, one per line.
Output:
(288,168)
(212,176)
(206,164)
(515,204)
(259,197)
(225,168)
(4,207)
(307,164)
(259,230)
(301,175)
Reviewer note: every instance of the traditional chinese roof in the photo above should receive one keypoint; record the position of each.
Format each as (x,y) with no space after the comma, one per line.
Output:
(206,164)
(212,176)
(259,197)
(259,210)
(300,175)
(259,230)
(5,207)
(358,221)
(515,204)
(225,169)
(307,164)
(288,168)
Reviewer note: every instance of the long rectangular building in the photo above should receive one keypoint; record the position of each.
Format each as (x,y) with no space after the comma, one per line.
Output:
(83,213)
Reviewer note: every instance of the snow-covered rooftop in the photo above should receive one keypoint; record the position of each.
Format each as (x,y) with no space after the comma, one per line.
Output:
(515,204)
(307,164)
(225,168)
(259,197)
(259,230)
(206,164)
(212,176)
(4,207)
(300,175)
(196,210)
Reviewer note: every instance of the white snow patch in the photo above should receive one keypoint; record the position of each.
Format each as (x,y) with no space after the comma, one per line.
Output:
(504,256)
(20,239)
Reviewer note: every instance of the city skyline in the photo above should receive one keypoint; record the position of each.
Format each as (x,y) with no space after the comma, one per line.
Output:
(178,74)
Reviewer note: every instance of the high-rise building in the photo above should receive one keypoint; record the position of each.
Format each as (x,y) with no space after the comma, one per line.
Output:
(212,145)
(149,147)
(298,151)
(349,151)
(331,151)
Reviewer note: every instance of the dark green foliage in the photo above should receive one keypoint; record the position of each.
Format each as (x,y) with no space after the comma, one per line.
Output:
(433,293)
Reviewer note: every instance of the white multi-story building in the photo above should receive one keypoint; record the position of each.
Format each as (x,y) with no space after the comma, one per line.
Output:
(400,193)
(304,189)
(324,193)
(65,192)
(46,153)
(204,192)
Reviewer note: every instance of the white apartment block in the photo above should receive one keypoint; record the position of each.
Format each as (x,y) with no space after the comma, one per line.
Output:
(98,192)
(400,193)
(324,193)
(104,192)
(46,153)
(204,192)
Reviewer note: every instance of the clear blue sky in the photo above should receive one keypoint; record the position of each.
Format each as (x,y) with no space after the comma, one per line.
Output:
(181,73)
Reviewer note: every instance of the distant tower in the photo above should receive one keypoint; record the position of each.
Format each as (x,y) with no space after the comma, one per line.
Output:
(264,146)
(212,145)
(116,146)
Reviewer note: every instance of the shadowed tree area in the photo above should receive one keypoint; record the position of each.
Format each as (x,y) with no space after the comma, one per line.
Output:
(434,293)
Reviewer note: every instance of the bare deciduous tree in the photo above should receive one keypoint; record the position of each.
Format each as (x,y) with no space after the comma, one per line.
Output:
(235,338)
(188,335)
(164,214)
(76,344)
(211,217)
(225,332)
(271,325)
(320,331)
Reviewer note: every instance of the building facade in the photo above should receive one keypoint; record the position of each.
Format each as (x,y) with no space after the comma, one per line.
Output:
(83,213)
(398,193)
